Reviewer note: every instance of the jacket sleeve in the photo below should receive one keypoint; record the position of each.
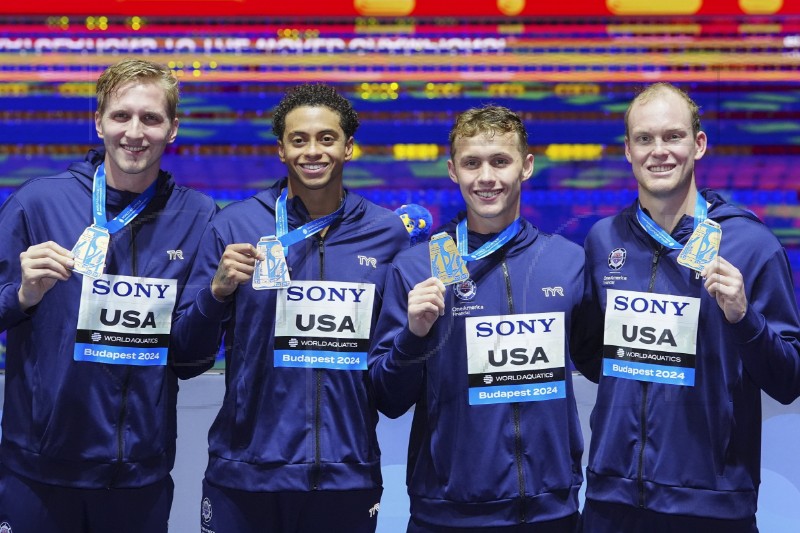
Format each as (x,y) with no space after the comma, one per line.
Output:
(199,317)
(397,356)
(769,334)
(13,241)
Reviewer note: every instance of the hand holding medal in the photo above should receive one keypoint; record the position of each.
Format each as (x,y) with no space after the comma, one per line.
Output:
(236,266)
(42,266)
(425,305)
(725,283)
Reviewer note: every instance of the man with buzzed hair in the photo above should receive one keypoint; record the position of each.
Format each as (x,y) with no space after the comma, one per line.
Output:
(88,285)
(700,317)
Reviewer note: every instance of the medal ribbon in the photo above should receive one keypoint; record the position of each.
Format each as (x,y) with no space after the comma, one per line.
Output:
(659,234)
(127,214)
(488,248)
(289,238)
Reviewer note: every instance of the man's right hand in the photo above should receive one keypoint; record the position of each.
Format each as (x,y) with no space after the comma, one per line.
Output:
(42,266)
(236,266)
(425,305)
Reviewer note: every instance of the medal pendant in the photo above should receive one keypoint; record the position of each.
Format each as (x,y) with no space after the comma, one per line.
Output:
(702,247)
(90,251)
(272,272)
(446,263)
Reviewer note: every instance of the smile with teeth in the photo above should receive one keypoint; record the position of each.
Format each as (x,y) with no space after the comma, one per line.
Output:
(134,148)
(487,194)
(661,168)
(311,167)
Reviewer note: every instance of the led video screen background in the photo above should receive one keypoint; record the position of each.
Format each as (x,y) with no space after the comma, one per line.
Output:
(409,68)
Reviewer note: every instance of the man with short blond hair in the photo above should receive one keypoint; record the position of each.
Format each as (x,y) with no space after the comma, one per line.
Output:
(89,277)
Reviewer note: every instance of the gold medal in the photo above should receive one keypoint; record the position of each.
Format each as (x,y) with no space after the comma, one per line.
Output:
(446,263)
(702,247)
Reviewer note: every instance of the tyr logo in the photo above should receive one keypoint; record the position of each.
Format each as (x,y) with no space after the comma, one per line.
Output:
(175,254)
(363,260)
(374,510)
(552,291)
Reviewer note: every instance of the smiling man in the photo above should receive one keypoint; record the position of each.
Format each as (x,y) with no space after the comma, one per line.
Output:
(293,277)
(700,317)
(88,283)
(495,443)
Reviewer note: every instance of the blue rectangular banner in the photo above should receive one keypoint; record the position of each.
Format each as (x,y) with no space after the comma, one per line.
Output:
(671,375)
(120,355)
(321,359)
(517,393)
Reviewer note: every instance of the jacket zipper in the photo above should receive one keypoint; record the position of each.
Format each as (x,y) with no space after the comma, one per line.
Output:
(317,469)
(123,411)
(515,410)
(645,390)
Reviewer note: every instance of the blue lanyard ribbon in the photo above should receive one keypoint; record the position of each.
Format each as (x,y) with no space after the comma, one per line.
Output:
(659,234)
(289,238)
(488,248)
(127,214)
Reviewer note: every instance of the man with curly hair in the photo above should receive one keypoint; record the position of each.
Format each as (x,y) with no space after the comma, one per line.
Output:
(292,278)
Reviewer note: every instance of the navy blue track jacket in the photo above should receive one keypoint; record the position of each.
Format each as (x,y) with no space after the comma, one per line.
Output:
(694,450)
(76,423)
(482,465)
(286,429)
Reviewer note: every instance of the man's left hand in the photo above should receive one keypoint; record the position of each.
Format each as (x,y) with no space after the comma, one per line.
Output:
(724,282)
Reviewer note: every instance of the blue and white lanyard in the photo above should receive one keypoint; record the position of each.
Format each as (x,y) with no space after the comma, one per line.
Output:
(288,238)
(488,248)
(127,214)
(659,234)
